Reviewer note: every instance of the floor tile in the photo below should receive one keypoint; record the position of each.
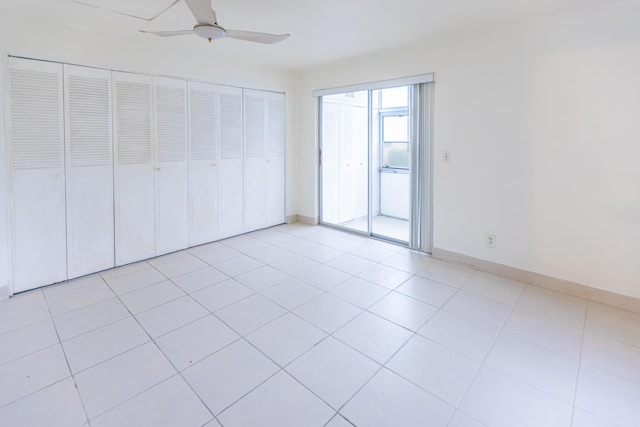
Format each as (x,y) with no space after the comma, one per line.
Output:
(611,356)
(374,253)
(270,235)
(552,335)
(446,273)
(227,375)
(135,280)
(324,277)
(216,254)
(245,244)
(497,288)
(181,266)
(279,402)
(614,323)
(238,265)
(222,294)
(320,253)
(608,396)
(170,403)
(124,270)
(87,350)
(171,256)
(373,336)
(327,312)
(296,245)
(269,254)
(262,278)
(57,405)
(351,264)
(540,368)
(86,319)
(385,275)
(81,293)
(388,400)
(295,265)
(469,338)
(343,243)
(26,340)
(582,418)
(172,315)
(409,261)
(291,293)
(359,292)
(199,279)
(496,399)
(460,419)
(426,290)
(478,309)
(250,313)
(403,310)
(195,341)
(553,306)
(442,372)
(22,310)
(151,296)
(31,373)
(115,381)
(333,371)
(285,338)
(338,421)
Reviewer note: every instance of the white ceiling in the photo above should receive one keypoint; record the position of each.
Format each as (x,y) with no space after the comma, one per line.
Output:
(323,31)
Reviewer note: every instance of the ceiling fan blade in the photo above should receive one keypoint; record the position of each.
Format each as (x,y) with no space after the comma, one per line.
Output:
(202,11)
(252,36)
(168,33)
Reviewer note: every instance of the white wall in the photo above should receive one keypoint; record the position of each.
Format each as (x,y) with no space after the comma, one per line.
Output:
(543,123)
(52,42)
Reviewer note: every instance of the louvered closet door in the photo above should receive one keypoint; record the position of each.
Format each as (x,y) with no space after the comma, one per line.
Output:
(36,142)
(203,166)
(231,168)
(171,176)
(275,159)
(89,177)
(255,184)
(134,171)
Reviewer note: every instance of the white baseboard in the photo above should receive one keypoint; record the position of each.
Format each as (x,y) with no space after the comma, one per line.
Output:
(564,286)
(307,220)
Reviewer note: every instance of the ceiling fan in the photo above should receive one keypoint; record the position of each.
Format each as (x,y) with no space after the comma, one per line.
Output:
(207,27)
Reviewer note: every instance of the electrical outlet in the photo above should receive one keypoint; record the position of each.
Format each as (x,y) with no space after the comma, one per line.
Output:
(446,156)
(490,240)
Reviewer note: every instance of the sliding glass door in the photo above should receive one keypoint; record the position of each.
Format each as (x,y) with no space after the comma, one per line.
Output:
(374,163)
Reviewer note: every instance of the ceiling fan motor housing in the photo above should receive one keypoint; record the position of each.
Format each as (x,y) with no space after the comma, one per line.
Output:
(208,31)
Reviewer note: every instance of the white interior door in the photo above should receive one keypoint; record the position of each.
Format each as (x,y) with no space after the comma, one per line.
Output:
(275,163)
(134,184)
(231,177)
(171,175)
(36,141)
(203,167)
(89,170)
(255,184)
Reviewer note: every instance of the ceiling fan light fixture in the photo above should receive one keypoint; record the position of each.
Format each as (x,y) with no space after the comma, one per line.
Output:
(209,32)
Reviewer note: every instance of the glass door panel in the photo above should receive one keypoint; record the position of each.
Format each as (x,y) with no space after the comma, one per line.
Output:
(345,152)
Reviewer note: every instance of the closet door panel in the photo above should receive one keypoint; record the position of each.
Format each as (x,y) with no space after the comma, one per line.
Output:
(134,171)
(231,177)
(89,167)
(203,166)
(36,144)
(171,176)
(255,185)
(275,160)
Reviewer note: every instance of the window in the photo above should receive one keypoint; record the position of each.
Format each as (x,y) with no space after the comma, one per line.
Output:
(395,141)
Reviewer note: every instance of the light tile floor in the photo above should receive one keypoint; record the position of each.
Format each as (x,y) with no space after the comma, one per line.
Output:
(308,326)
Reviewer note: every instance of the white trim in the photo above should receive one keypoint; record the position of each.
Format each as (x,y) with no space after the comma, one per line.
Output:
(382,84)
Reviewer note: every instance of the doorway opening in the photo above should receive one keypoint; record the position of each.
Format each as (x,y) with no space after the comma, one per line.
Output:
(374,166)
